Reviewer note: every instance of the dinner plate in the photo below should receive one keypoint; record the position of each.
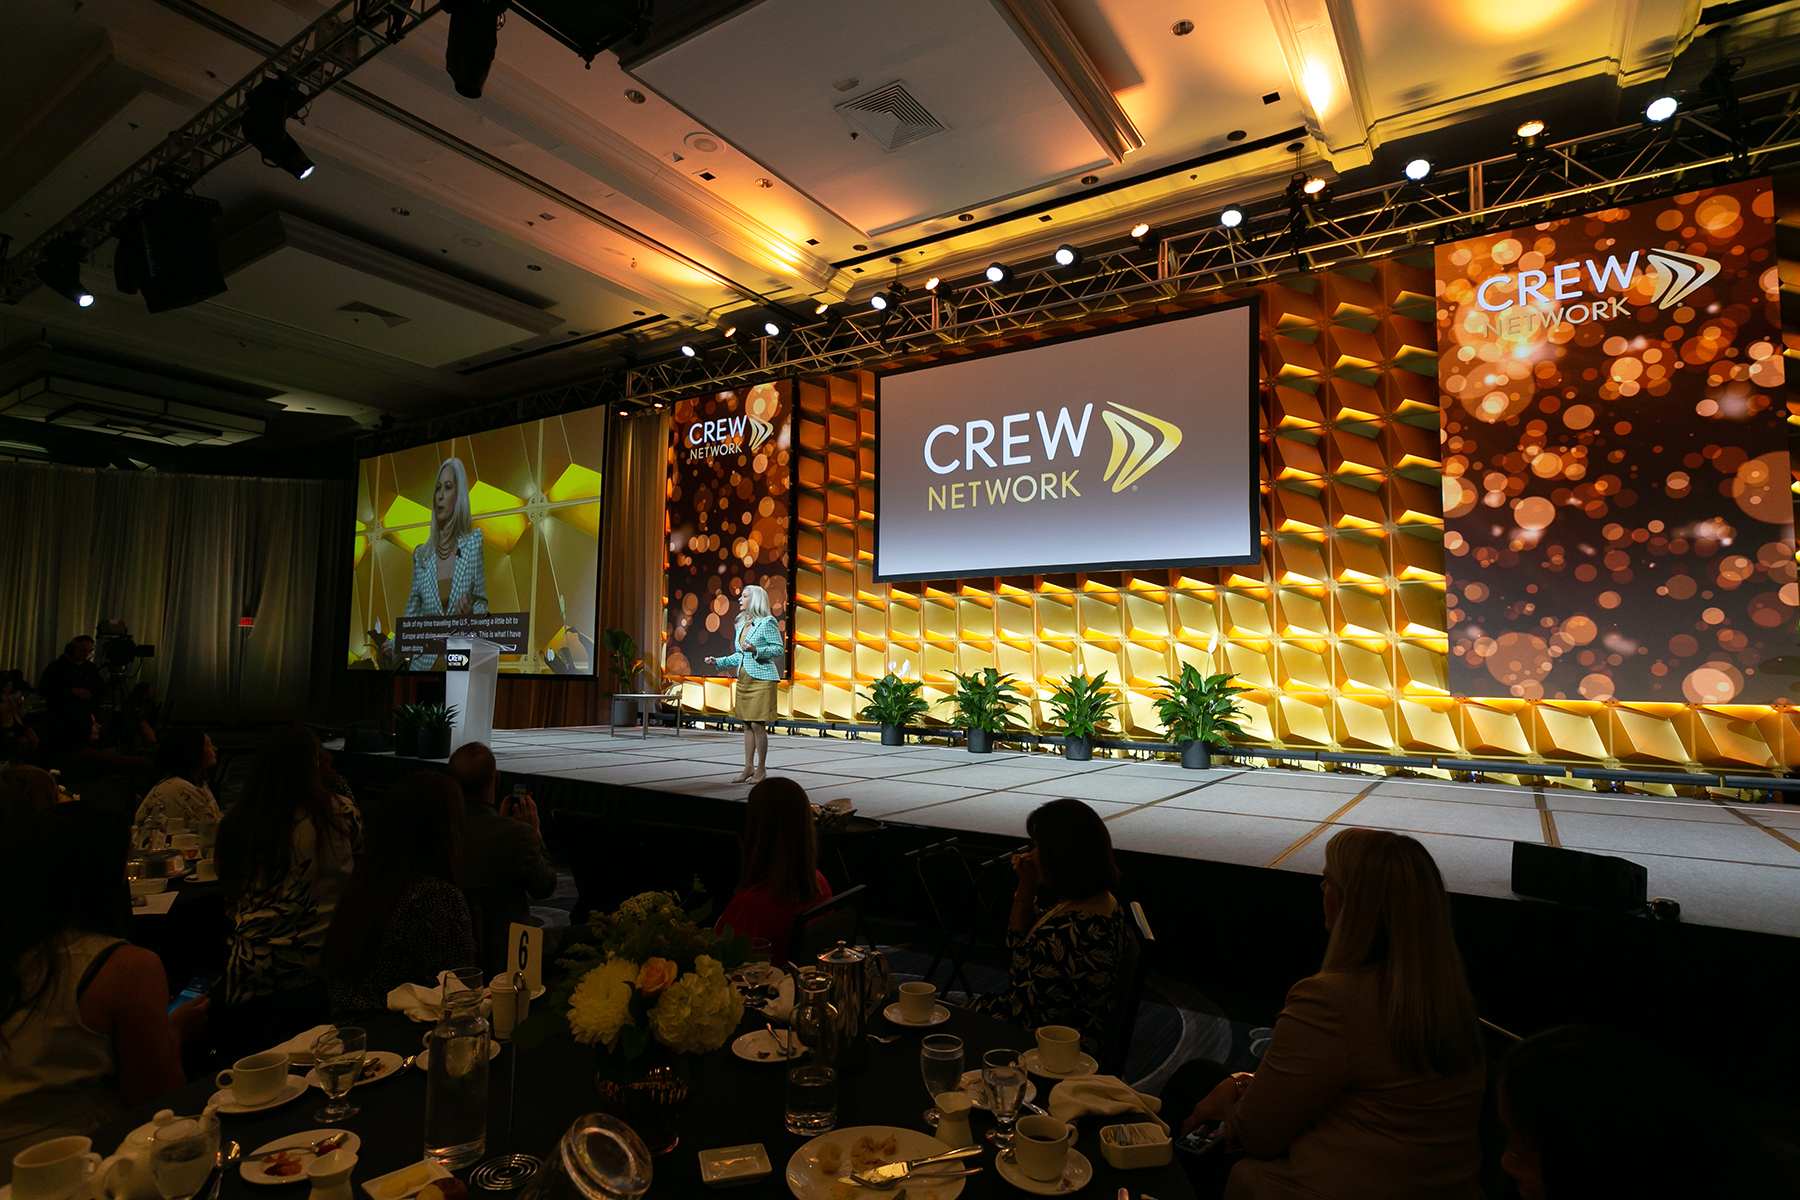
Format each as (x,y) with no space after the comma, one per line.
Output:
(1085,1065)
(1078,1172)
(971,1086)
(252,1170)
(422,1060)
(295,1086)
(758,1046)
(939,1014)
(808,1182)
(377,1065)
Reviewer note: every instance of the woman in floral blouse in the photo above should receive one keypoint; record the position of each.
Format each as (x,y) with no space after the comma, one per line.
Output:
(183,758)
(1067,963)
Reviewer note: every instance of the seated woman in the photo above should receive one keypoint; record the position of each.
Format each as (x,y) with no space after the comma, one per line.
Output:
(183,758)
(285,853)
(1372,1083)
(1066,962)
(85,1026)
(404,918)
(780,876)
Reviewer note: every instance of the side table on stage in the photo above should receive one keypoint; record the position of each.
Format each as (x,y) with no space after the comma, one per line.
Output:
(642,698)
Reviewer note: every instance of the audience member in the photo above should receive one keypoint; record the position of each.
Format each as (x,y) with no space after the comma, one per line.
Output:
(25,792)
(72,684)
(404,919)
(17,738)
(779,878)
(183,758)
(85,1026)
(1372,1082)
(1064,963)
(503,856)
(285,854)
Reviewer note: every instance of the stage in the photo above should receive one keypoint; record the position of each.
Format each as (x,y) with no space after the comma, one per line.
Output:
(1730,865)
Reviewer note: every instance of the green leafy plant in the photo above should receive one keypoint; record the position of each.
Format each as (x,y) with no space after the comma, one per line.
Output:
(1198,707)
(622,655)
(434,716)
(895,701)
(985,699)
(406,716)
(1081,705)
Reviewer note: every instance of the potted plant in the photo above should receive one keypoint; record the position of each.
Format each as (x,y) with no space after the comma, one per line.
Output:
(406,730)
(622,655)
(983,703)
(1080,706)
(648,988)
(894,703)
(435,722)
(1197,710)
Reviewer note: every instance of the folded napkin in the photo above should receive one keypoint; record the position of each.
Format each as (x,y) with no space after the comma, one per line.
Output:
(1100,1095)
(158,904)
(427,1003)
(782,1006)
(299,1047)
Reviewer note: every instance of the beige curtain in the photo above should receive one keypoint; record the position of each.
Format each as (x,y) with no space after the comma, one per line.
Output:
(631,563)
(179,558)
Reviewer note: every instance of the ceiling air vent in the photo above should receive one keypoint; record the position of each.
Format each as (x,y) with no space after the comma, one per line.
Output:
(358,308)
(892,116)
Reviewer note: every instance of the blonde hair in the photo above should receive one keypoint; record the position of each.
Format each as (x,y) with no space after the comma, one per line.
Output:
(753,606)
(1396,916)
(461,523)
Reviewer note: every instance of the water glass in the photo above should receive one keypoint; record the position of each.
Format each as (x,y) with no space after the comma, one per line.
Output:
(339,1053)
(183,1154)
(941,1063)
(812,1099)
(1005,1082)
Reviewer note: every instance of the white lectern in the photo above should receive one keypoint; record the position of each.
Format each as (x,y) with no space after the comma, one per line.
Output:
(470,685)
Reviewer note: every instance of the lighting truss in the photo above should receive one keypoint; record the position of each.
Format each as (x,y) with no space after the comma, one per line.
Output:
(317,58)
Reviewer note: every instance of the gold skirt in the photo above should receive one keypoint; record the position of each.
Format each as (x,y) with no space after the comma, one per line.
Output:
(754,699)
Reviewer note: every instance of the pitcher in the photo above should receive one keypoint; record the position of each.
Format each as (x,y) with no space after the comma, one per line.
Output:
(859,983)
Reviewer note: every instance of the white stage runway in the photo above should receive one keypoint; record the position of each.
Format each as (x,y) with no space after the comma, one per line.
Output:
(1733,865)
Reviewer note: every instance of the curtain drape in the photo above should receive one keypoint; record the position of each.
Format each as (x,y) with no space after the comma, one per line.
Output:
(179,559)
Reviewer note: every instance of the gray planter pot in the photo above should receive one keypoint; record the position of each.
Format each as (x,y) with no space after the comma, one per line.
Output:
(625,712)
(893,735)
(1196,755)
(434,743)
(981,741)
(406,742)
(1078,749)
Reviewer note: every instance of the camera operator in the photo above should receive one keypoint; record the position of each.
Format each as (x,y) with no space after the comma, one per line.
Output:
(72,685)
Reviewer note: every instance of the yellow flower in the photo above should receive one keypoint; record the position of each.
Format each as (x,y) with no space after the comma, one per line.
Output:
(657,974)
(698,1011)
(600,1006)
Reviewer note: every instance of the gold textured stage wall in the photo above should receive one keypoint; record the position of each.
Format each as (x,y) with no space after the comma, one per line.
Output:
(1340,631)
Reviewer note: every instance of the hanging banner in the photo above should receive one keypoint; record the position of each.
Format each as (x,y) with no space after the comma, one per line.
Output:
(1617,504)
(727,519)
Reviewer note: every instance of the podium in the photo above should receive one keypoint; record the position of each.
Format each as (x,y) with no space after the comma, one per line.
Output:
(471,671)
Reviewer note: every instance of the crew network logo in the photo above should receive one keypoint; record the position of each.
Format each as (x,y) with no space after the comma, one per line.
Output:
(761,431)
(1679,275)
(1135,452)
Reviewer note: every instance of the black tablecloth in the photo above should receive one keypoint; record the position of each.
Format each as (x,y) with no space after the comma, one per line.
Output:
(733,1102)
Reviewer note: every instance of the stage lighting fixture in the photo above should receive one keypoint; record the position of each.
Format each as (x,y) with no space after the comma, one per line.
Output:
(1662,108)
(266,115)
(1231,218)
(931,285)
(1313,185)
(169,251)
(773,327)
(474,37)
(823,307)
(60,271)
(1067,256)
(879,301)
(1418,169)
(730,332)
(1140,233)
(688,349)
(1530,129)
(998,272)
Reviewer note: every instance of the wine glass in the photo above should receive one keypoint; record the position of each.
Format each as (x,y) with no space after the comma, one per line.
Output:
(941,1062)
(340,1053)
(1005,1080)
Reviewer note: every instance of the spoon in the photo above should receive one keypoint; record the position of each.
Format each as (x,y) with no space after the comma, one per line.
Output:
(876,1037)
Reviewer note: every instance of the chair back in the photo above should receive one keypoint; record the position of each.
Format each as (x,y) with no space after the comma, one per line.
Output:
(824,925)
(1496,1044)
(1134,965)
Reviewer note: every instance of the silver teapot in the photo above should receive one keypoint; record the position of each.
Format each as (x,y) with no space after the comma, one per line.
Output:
(859,983)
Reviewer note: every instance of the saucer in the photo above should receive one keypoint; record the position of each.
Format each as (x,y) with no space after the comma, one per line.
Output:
(758,1047)
(939,1014)
(971,1086)
(293,1169)
(1078,1172)
(1085,1065)
(377,1065)
(197,879)
(295,1086)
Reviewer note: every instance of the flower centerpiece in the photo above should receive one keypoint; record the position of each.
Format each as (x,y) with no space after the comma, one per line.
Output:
(648,988)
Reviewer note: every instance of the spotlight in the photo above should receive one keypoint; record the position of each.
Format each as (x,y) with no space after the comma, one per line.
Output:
(688,349)
(730,332)
(823,307)
(1530,129)
(60,271)
(1661,108)
(931,285)
(1231,218)
(1313,185)
(474,37)
(879,301)
(998,272)
(1418,169)
(266,115)
(774,328)
(1140,233)
(1067,256)
(889,300)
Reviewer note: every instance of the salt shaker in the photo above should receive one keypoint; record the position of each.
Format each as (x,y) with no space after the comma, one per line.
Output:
(505,1000)
(953,1120)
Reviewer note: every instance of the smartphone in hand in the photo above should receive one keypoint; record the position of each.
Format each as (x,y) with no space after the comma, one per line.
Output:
(196,987)
(1204,1137)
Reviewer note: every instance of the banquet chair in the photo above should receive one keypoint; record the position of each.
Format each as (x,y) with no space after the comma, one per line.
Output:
(1121,1021)
(824,925)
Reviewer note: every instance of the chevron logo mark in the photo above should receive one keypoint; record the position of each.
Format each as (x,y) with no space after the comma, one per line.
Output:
(1679,275)
(1132,453)
(760,432)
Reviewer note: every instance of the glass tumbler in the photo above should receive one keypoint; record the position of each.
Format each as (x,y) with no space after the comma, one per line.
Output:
(812,1100)
(941,1063)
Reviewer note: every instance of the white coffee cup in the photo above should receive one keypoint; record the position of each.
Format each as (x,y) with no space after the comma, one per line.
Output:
(257,1079)
(1041,1147)
(1059,1048)
(54,1169)
(917,1002)
(187,843)
(205,870)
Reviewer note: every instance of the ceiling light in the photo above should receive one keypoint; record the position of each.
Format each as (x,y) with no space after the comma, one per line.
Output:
(879,301)
(931,285)
(1140,231)
(474,36)
(60,271)
(1530,129)
(774,328)
(730,331)
(1313,185)
(266,114)
(1662,108)
(998,272)
(688,349)
(823,307)
(1418,169)
(1231,218)
(1067,256)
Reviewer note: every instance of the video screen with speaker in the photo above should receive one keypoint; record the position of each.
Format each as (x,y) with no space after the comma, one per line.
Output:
(494,535)
(1129,447)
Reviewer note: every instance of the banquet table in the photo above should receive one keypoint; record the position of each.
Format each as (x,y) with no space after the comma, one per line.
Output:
(732,1102)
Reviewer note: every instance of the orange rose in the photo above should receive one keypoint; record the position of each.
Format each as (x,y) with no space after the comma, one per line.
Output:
(656,975)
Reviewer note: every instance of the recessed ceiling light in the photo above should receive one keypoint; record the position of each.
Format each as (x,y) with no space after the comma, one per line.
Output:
(1090,180)
(637,312)
(1182,28)
(1236,135)
(633,95)
(1295,147)
(401,212)
(859,246)
(765,183)
(966,217)
(533,267)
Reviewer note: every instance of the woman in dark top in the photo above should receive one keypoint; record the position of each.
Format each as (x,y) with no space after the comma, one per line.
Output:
(780,877)
(404,919)
(1067,962)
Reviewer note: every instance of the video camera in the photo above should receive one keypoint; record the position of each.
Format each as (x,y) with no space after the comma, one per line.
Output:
(115,648)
